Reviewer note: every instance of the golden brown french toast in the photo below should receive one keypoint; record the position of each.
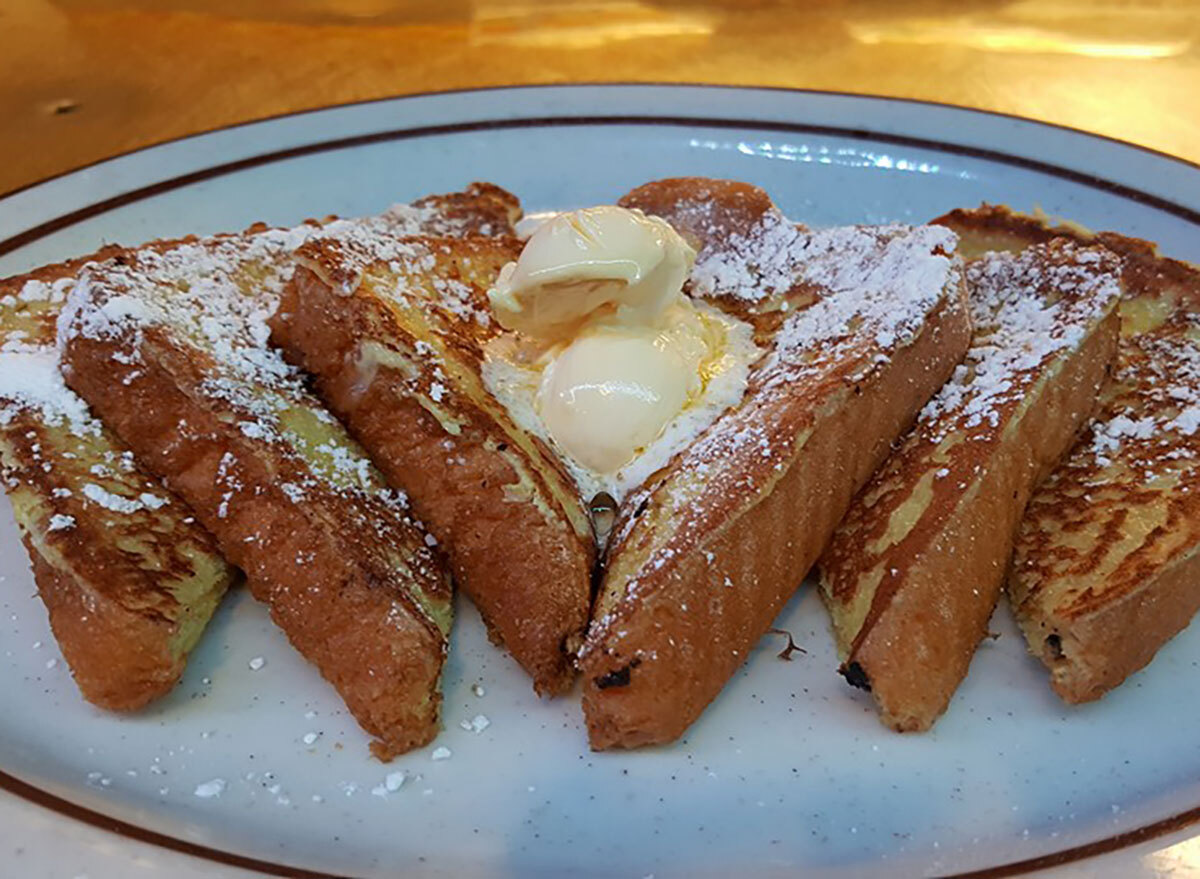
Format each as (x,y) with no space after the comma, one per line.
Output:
(129,578)
(861,326)
(394,330)
(168,343)
(915,569)
(1107,567)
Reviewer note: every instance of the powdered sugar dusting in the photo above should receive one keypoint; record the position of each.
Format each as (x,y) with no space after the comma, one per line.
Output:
(1153,411)
(52,292)
(208,790)
(751,265)
(30,379)
(34,399)
(60,522)
(875,288)
(1122,508)
(1025,308)
(218,294)
(870,291)
(118,504)
(1031,311)
(877,283)
(363,242)
(213,298)
(407,253)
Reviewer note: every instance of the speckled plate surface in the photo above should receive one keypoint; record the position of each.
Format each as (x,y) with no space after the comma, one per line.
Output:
(789,768)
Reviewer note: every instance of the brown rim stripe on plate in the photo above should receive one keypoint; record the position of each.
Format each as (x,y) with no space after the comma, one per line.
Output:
(623,84)
(97,819)
(1120,190)
(1145,833)
(1190,215)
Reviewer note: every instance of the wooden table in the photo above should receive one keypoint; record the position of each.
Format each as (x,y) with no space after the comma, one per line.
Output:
(84,79)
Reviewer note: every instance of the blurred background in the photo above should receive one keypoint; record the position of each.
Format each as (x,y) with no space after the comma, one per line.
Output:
(84,79)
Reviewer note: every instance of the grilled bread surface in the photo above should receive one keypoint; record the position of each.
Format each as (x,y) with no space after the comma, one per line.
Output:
(861,326)
(393,328)
(129,578)
(168,343)
(914,571)
(1107,562)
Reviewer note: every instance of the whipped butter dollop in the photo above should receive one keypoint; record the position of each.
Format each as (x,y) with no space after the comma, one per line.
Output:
(608,259)
(605,352)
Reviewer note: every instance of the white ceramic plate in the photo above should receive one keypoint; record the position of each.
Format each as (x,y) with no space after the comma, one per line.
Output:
(789,767)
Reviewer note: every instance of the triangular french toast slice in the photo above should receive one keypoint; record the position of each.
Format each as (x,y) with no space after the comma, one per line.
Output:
(168,344)
(915,569)
(394,330)
(861,325)
(1107,562)
(404,344)
(128,577)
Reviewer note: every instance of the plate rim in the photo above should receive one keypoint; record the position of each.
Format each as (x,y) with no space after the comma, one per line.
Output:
(41,797)
(1187,212)
(602,83)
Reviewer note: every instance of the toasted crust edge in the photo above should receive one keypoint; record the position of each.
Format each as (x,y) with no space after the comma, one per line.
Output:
(107,671)
(386,666)
(1107,647)
(765,551)
(1089,656)
(891,654)
(121,658)
(534,599)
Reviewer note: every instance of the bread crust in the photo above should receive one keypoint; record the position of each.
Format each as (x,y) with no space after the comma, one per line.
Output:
(338,568)
(129,585)
(119,656)
(690,587)
(512,549)
(1106,566)
(699,627)
(128,590)
(1090,655)
(914,572)
(915,654)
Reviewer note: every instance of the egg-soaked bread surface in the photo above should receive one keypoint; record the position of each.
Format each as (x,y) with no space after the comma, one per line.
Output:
(1107,562)
(915,569)
(129,578)
(394,329)
(860,326)
(168,344)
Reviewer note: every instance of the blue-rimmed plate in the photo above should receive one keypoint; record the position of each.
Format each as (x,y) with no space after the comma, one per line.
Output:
(789,768)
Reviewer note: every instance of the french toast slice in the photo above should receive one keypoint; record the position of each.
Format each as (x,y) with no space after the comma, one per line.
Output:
(914,571)
(128,577)
(1107,561)
(861,325)
(168,344)
(394,331)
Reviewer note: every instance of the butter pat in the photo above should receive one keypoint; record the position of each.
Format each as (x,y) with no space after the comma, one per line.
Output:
(597,262)
(607,358)
(613,390)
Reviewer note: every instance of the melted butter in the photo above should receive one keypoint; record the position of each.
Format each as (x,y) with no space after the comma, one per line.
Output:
(605,351)
(611,392)
(599,262)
